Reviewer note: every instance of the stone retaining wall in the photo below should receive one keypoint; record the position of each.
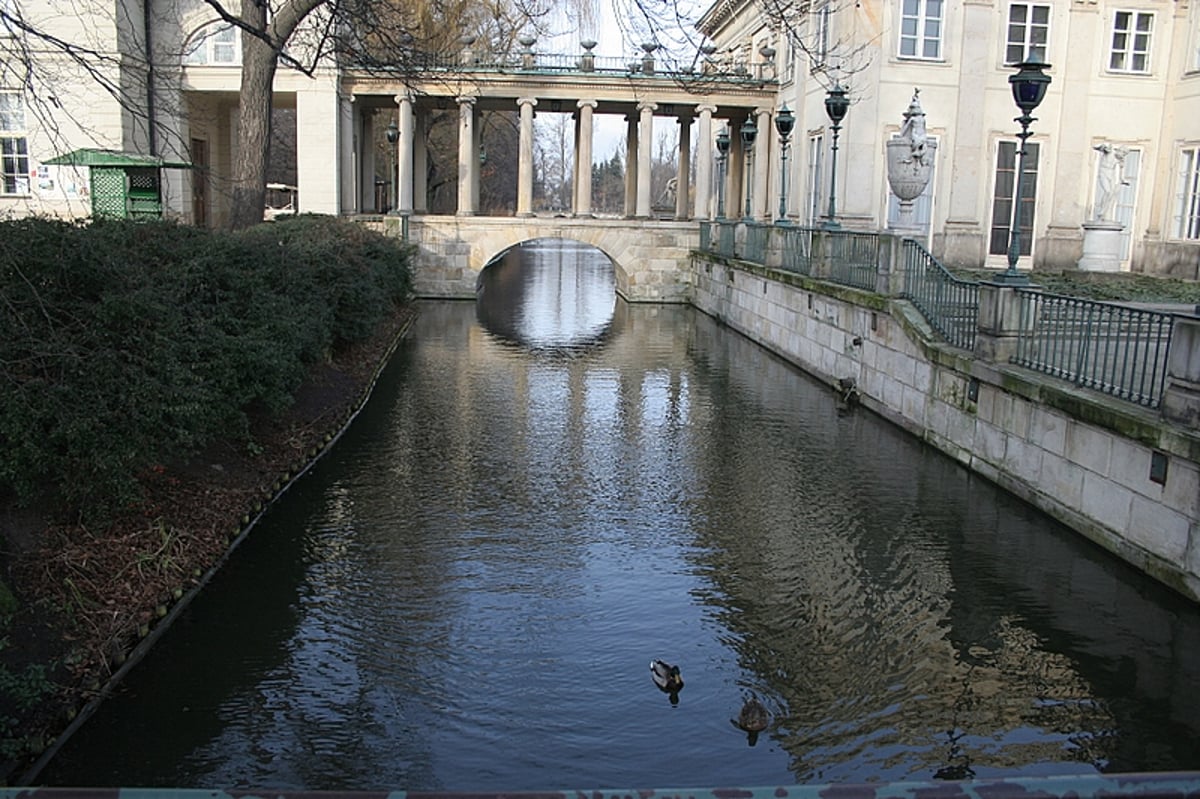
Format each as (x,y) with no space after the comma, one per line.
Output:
(1093,462)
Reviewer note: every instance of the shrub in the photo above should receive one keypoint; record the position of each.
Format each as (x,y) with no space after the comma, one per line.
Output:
(124,344)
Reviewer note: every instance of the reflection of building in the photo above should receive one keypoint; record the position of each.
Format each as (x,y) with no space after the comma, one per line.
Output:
(1125,73)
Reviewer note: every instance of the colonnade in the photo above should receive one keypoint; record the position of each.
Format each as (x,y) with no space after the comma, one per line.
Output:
(696,202)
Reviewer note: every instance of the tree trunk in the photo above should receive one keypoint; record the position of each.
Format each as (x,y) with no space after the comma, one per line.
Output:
(259,60)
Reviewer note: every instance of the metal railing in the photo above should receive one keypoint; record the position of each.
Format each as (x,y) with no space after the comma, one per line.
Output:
(795,249)
(754,247)
(948,303)
(853,258)
(718,237)
(1112,348)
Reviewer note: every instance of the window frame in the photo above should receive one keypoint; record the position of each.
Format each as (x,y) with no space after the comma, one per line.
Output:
(206,42)
(1027,27)
(1185,209)
(14,148)
(920,37)
(1032,168)
(1129,52)
(814,194)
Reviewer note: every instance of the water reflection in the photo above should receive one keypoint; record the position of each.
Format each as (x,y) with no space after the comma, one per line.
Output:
(548,294)
(466,594)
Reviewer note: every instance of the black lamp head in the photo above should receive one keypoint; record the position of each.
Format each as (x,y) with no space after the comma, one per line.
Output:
(1029,85)
(837,103)
(393,133)
(785,121)
(723,142)
(749,132)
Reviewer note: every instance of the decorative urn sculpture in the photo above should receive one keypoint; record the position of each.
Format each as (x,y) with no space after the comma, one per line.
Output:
(910,157)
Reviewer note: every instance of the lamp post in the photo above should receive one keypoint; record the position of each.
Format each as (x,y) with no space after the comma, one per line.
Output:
(836,105)
(722,156)
(785,120)
(393,135)
(749,134)
(1028,89)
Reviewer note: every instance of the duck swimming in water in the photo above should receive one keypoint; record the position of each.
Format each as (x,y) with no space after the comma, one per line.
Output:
(753,719)
(666,676)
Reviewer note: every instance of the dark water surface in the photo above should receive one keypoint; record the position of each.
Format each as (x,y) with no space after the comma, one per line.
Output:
(551,489)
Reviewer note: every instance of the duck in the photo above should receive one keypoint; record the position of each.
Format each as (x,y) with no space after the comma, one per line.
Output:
(666,676)
(754,716)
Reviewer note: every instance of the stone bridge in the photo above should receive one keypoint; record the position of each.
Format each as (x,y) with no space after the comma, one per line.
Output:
(650,257)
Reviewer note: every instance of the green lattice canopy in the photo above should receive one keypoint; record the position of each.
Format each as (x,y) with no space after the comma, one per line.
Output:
(123,184)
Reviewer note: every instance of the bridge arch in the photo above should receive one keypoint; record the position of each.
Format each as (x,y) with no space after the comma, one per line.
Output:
(649,257)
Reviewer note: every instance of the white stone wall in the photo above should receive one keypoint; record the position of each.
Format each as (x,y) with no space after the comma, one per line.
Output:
(1092,475)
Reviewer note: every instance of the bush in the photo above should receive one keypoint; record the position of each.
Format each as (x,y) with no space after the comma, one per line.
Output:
(125,344)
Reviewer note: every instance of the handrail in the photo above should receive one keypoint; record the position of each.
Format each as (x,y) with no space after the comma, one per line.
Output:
(853,258)
(948,303)
(1112,348)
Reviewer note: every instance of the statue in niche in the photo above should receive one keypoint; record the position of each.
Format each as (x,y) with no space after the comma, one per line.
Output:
(1110,178)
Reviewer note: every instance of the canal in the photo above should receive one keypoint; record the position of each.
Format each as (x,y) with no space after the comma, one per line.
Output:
(549,489)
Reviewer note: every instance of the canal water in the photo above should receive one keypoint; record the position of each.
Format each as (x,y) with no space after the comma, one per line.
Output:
(549,489)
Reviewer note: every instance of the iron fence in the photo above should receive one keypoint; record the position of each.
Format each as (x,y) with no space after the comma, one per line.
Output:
(853,258)
(754,247)
(1116,349)
(948,303)
(795,249)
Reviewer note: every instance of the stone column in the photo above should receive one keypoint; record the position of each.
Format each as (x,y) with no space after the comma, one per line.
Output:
(525,158)
(685,168)
(645,151)
(999,321)
(761,207)
(631,164)
(704,162)
(348,185)
(468,157)
(404,155)
(583,159)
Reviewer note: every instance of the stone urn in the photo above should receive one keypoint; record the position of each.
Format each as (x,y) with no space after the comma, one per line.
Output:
(910,158)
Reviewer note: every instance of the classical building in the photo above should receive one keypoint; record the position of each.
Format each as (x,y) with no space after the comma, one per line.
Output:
(154,103)
(1125,81)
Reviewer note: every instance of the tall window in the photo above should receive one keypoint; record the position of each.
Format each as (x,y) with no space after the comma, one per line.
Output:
(216,43)
(1187,195)
(820,34)
(14,147)
(1002,198)
(1028,32)
(1131,41)
(815,179)
(921,28)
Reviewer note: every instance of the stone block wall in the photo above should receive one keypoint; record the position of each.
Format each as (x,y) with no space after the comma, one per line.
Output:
(1090,461)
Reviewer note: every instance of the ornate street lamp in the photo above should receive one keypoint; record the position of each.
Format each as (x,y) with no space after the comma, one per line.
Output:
(1028,90)
(393,136)
(785,120)
(722,156)
(749,134)
(836,105)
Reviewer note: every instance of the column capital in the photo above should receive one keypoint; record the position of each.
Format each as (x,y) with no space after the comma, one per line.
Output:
(706,108)
(466,99)
(646,105)
(529,101)
(403,98)
(587,104)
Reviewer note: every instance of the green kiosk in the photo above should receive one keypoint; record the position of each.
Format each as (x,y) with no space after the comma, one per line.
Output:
(123,185)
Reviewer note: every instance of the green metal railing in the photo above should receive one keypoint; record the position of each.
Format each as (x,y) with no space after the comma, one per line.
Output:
(853,258)
(718,237)
(949,304)
(1112,348)
(795,249)
(754,247)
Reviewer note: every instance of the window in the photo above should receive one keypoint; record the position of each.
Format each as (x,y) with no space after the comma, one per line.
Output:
(921,29)
(1028,33)
(1187,195)
(14,147)
(813,186)
(217,43)
(1131,41)
(819,46)
(1194,63)
(1002,198)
